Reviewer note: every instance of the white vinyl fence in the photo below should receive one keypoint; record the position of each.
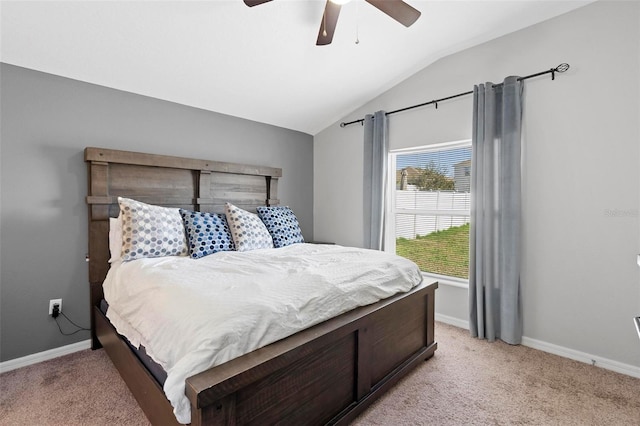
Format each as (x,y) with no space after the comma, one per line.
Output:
(410,225)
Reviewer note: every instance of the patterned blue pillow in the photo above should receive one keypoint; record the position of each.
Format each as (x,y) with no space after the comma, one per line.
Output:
(282,224)
(249,233)
(207,233)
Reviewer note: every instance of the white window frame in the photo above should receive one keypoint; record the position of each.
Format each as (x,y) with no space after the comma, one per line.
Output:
(391,211)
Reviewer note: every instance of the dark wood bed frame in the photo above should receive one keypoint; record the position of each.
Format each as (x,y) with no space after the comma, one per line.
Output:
(326,374)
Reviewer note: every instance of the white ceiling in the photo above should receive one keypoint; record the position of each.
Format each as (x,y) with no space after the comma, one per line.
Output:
(257,63)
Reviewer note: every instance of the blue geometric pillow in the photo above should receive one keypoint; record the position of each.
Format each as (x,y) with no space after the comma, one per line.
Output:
(207,233)
(282,224)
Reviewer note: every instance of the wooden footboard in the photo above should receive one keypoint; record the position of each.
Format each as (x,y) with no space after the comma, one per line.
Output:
(326,374)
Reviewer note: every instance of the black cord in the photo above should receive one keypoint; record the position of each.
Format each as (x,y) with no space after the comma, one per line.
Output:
(68,319)
(69,334)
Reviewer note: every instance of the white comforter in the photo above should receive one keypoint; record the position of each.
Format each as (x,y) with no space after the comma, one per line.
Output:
(193,314)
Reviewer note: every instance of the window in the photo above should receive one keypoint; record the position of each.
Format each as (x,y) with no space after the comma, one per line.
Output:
(429,207)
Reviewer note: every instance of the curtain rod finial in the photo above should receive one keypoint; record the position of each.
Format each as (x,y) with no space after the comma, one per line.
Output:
(560,68)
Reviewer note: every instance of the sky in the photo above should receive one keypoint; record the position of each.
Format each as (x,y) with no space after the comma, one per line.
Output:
(444,159)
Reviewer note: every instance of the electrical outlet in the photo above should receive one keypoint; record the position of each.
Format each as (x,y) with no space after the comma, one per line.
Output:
(55,302)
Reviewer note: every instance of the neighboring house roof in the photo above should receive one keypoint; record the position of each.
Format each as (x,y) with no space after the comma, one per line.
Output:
(463,163)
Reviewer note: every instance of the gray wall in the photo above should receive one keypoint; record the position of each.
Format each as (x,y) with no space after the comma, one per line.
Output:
(46,122)
(580,280)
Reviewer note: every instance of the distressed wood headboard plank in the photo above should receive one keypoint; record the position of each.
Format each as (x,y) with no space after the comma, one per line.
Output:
(193,184)
(154,160)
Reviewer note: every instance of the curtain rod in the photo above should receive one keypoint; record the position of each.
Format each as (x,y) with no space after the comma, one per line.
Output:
(560,69)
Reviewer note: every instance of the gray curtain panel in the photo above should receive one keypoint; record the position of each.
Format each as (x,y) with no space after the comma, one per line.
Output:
(494,275)
(376,148)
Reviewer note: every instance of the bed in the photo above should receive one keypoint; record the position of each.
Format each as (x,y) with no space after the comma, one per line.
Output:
(325,374)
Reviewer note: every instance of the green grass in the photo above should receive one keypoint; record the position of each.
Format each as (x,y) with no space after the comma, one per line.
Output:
(443,252)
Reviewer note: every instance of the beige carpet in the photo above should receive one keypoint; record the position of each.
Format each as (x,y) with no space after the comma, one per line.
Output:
(467,382)
(472,382)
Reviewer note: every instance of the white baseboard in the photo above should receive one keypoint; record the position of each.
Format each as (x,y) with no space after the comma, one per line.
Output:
(598,361)
(457,322)
(24,361)
(608,364)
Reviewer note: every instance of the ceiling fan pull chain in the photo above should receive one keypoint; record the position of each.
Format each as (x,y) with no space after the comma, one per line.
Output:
(357,22)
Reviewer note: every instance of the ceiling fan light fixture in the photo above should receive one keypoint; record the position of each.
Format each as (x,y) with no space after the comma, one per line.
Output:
(398,10)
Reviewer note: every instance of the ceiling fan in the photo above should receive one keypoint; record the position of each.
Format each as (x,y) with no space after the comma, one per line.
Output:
(397,9)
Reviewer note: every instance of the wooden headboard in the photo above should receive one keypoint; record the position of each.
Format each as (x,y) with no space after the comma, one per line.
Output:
(188,183)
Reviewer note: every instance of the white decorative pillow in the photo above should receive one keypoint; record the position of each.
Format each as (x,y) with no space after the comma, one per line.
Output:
(150,231)
(248,231)
(115,238)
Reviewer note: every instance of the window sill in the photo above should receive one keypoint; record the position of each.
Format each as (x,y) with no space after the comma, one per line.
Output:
(446,280)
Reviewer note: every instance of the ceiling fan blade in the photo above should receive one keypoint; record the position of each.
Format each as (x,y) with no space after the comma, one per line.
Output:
(328,24)
(398,10)
(252,3)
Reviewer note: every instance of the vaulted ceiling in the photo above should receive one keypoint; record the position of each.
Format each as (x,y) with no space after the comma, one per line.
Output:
(259,63)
